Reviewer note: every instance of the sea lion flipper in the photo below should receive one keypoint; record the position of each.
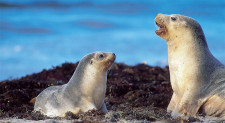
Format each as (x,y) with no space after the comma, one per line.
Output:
(103,108)
(173,102)
(189,105)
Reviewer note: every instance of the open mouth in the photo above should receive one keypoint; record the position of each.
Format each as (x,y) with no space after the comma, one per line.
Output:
(161,29)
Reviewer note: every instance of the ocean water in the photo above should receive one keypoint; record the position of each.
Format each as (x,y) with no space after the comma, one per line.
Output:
(39,34)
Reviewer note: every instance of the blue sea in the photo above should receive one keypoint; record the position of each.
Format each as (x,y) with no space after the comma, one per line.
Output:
(40,34)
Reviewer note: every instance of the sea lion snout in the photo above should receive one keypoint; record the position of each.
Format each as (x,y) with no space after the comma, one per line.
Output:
(160,18)
(114,54)
(111,57)
(160,22)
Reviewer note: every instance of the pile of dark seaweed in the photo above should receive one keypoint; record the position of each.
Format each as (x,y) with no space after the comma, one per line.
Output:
(138,92)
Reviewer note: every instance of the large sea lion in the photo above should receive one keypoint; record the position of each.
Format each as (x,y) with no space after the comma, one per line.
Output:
(85,90)
(197,77)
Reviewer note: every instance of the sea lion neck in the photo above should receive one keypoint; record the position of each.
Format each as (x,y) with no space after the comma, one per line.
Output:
(188,43)
(87,77)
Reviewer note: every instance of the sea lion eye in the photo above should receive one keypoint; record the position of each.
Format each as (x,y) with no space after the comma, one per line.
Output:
(173,18)
(101,56)
(91,62)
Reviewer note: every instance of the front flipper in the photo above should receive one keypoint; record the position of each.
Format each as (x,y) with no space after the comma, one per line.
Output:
(103,108)
(173,103)
(188,106)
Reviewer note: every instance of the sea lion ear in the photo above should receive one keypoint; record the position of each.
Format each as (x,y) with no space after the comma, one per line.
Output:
(186,25)
(91,62)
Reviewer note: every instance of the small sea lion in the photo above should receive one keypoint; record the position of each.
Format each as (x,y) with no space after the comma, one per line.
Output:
(197,77)
(85,90)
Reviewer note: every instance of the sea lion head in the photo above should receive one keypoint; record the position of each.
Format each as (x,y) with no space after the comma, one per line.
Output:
(177,26)
(102,61)
(92,70)
(98,61)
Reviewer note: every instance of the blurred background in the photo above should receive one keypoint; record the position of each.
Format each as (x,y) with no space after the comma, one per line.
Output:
(39,34)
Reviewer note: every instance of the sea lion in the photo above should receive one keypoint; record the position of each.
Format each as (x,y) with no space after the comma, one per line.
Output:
(85,90)
(197,77)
